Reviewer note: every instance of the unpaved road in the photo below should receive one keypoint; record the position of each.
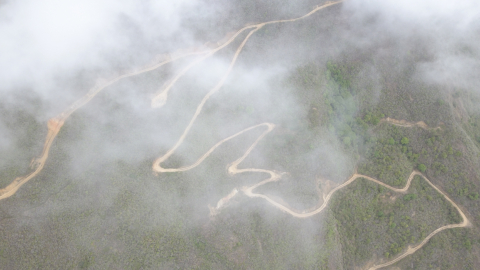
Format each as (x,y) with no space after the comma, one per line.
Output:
(37,164)
(160,99)
(275,176)
(157,101)
(410,250)
(55,124)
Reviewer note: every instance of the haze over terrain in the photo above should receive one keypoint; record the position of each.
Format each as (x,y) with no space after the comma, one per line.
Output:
(344,105)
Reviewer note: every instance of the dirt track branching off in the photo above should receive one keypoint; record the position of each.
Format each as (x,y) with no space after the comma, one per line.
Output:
(404,123)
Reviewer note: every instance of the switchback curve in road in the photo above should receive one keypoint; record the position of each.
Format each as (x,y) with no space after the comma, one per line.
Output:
(160,99)
(275,176)
(55,124)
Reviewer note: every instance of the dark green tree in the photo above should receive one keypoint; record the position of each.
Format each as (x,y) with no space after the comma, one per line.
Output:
(422,167)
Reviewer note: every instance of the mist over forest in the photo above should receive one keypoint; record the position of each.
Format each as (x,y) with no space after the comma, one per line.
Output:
(338,140)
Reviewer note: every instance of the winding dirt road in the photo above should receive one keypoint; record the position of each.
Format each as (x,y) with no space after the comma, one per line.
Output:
(410,250)
(161,98)
(56,123)
(275,176)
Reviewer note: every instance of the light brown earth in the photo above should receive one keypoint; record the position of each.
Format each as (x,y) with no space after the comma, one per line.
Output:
(405,123)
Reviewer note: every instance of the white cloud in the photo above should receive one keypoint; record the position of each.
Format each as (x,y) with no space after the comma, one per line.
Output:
(40,40)
(450,31)
(421,13)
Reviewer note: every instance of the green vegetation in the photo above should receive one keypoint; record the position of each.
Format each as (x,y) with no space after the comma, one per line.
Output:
(422,167)
(390,153)
(109,213)
(372,118)
(376,222)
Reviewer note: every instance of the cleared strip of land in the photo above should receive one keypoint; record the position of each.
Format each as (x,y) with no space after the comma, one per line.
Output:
(405,123)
